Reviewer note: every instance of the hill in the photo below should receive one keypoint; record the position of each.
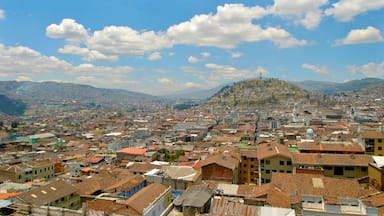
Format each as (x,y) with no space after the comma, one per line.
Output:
(331,88)
(258,92)
(11,107)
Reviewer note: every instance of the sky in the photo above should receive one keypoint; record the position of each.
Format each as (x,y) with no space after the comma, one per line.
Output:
(162,47)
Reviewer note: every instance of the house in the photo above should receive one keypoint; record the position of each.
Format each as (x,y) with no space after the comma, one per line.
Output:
(127,186)
(129,154)
(249,167)
(195,200)
(376,172)
(273,157)
(28,171)
(231,207)
(373,142)
(106,207)
(330,147)
(311,194)
(57,193)
(151,200)
(332,165)
(221,167)
(177,177)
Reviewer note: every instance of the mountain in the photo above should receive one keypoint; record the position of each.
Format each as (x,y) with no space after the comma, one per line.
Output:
(195,94)
(331,88)
(53,92)
(11,107)
(258,92)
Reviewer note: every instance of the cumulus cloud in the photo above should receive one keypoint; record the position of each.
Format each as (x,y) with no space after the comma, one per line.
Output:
(22,62)
(220,72)
(2,14)
(192,59)
(192,85)
(154,56)
(164,81)
(231,25)
(88,55)
(358,36)
(68,30)
(346,10)
(236,54)
(316,68)
(307,13)
(369,70)
(205,54)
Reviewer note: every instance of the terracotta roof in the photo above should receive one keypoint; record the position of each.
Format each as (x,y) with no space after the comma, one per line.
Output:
(47,194)
(372,134)
(376,200)
(225,160)
(145,197)
(134,151)
(331,189)
(225,206)
(127,184)
(331,146)
(331,159)
(271,149)
(95,183)
(93,159)
(108,206)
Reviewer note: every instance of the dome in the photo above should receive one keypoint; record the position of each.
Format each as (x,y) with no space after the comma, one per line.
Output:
(310,131)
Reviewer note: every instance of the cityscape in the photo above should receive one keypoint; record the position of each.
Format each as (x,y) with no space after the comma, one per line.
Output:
(192,108)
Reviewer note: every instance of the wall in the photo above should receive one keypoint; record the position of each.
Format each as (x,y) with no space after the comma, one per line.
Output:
(217,173)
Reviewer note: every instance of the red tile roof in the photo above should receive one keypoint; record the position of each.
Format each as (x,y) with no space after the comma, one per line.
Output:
(134,151)
(271,149)
(331,159)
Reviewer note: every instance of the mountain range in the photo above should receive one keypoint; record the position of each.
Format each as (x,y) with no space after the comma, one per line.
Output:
(18,96)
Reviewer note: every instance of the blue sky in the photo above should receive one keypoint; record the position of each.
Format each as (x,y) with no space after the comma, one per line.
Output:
(160,47)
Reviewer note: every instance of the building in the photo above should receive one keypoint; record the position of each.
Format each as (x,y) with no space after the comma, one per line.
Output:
(311,194)
(373,142)
(330,147)
(249,167)
(376,172)
(57,194)
(273,157)
(223,167)
(151,200)
(130,154)
(195,200)
(28,171)
(332,165)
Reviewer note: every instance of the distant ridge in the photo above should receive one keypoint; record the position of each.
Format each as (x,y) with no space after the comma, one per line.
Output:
(11,107)
(258,92)
(331,88)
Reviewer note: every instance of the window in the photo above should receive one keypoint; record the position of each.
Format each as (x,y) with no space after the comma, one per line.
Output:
(349,168)
(379,140)
(267,171)
(262,161)
(327,167)
(282,171)
(364,169)
(274,170)
(252,166)
(267,162)
(289,171)
(282,163)
(252,159)
(289,163)
(379,148)
(338,171)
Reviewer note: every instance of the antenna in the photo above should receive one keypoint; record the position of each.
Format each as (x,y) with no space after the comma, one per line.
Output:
(261,75)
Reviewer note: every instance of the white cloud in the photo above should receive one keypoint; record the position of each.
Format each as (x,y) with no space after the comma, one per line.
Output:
(23,78)
(192,85)
(303,12)
(154,56)
(164,81)
(88,55)
(231,25)
(262,71)
(20,61)
(121,40)
(369,70)
(220,72)
(205,54)
(2,14)
(316,68)
(358,36)
(236,54)
(69,30)
(192,59)
(346,10)
(171,54)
